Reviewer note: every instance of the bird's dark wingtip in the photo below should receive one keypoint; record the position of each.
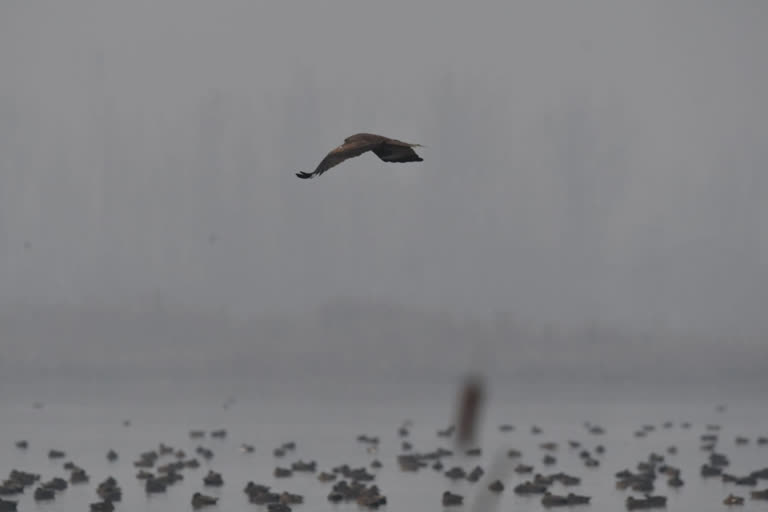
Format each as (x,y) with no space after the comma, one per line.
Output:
(303,175)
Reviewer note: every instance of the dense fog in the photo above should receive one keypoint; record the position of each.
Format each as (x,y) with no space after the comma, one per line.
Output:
(591,201)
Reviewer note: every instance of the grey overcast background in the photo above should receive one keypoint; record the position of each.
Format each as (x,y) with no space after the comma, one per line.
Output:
(592,201)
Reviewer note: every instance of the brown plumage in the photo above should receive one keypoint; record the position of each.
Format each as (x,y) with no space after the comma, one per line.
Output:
(389,150)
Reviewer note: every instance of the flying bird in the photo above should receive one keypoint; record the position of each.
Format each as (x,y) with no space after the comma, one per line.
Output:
(389,150)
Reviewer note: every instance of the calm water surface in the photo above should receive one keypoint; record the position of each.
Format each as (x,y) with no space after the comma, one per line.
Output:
(326,431)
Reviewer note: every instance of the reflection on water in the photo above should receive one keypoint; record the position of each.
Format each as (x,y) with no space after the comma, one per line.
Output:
(326,431)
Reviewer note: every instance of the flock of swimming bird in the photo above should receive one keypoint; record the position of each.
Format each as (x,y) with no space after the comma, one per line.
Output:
(160,468)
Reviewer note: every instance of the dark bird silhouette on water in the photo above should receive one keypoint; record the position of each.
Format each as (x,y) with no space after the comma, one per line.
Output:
(389,150)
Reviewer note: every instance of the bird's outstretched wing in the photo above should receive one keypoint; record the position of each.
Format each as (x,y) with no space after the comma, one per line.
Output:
(397,152)
(349,149)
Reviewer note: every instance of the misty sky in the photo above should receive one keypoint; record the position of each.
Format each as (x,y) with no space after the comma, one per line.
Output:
(585,161)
